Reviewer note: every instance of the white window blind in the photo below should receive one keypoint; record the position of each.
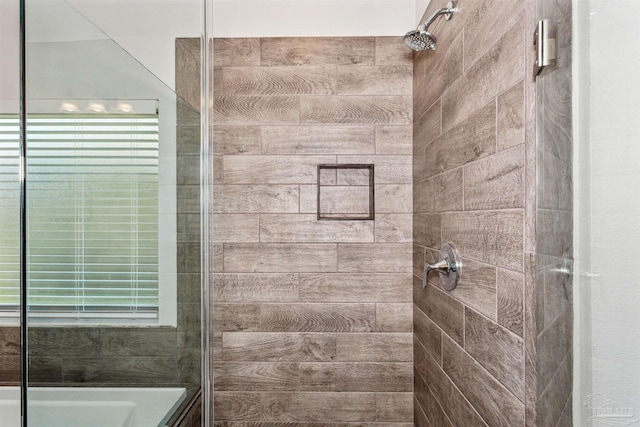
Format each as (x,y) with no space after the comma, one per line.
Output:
(92,214)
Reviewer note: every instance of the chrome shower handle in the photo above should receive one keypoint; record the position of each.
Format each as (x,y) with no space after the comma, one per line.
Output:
(442,267)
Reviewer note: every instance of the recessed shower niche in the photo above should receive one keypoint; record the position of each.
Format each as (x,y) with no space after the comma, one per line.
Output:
(346,192)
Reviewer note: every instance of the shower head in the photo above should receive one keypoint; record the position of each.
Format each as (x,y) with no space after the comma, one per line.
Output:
(420,39)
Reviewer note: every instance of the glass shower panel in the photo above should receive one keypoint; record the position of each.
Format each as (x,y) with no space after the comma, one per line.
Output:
(554,219)
(607,231)
(10,183)
(113,208)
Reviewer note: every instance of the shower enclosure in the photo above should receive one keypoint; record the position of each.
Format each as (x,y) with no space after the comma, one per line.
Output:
(102,291)
(588,104)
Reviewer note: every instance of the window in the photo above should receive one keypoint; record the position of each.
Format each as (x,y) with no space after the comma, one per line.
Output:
(93,216)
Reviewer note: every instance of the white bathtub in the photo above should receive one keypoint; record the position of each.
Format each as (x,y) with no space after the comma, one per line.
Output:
(95,407)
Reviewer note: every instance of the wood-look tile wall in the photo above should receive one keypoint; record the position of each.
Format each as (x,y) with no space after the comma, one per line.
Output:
(312,319)
(140,356)
(471,155)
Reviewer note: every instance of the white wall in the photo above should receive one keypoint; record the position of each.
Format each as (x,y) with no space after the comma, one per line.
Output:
(147,29)
(610,245)
(304,18)
(10,57)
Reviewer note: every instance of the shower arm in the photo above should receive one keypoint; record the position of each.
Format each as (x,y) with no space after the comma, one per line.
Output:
(447,11)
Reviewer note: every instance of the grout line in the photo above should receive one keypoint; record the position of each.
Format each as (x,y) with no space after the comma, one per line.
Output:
(497,297)
(463,187)
(496,125)
(464,69)
(464,326)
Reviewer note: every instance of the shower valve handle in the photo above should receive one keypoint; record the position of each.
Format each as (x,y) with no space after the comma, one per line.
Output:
(442,267)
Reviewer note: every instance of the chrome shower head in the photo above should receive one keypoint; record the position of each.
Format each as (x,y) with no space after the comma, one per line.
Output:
(420,39)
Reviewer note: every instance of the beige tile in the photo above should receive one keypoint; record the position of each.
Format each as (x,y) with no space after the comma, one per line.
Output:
(487,24)
(426,230)
(495,182)
(471,140)
(240,199)
(419,354)
(353,176)
(395,317)
(218,258)
(345,139)
(392,139)
(394,198)
(321,407)
(217,81)
(216,347)
(278,346)
(434,72)
(552,399)
(374,347)
(558,294)
(476,288)
(217,170)
(256,110)
(530,340)
(498,350)
(190,44)
(510,300)
(375,80)
(428,334)
(419,163)
(236,317)
(308,229)
(249,287)
(553,344)
(429,411)
(342,201)
(392,51)
(394,407)
(554,232)
(236,406)
(356,377)
(235,228)
(393,228)
(236,52)
(448,396)
(280,258)
(188,76)
(355,287)
(503,65)
(387,169)
(318,51)
(273,169)
(511,117)
(442,309)
(255,376)
(355,110)
(317,317)
(418,260)
(494,237)
(279,80)
(328,177)
(428,126)
(440,193)
(10,369)
(337,200)
(376,258)
(309,199)
(236,140)
(9,341)
(490,398)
